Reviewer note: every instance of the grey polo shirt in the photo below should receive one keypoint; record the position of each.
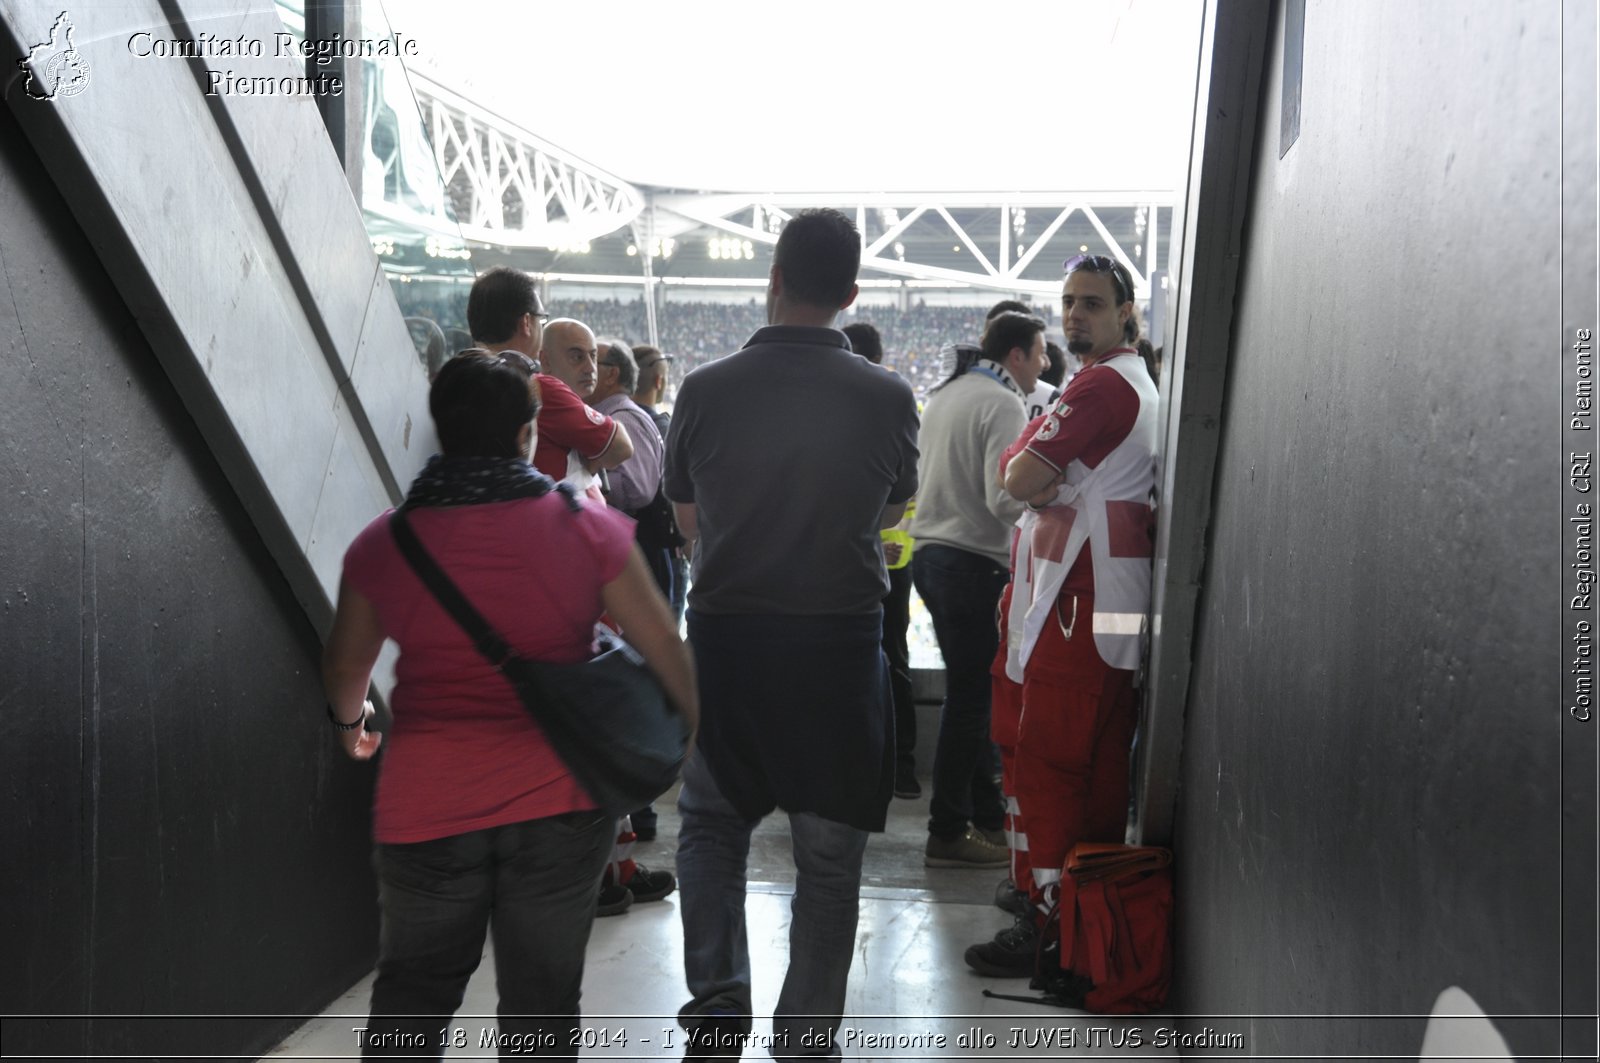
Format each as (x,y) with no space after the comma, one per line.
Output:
(790,449)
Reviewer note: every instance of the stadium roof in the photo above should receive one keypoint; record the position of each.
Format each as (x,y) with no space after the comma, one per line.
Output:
(721,95)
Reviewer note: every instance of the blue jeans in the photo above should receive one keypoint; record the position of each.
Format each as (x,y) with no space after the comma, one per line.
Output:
(962,591)
(713,847)
(533,885)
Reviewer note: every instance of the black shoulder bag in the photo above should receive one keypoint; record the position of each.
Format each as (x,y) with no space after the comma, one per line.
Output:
(607,718)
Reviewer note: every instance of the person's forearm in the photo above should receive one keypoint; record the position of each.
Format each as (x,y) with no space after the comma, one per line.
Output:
(346,690)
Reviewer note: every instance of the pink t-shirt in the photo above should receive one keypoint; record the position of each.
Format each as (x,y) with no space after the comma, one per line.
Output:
(463,754)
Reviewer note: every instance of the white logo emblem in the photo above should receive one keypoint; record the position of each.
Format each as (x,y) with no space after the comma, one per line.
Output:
(55,68)
(1048,430)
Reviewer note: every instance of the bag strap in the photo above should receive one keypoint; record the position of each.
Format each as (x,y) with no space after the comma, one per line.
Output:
(488,641)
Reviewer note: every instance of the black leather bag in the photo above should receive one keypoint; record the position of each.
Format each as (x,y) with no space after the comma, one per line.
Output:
(607,718)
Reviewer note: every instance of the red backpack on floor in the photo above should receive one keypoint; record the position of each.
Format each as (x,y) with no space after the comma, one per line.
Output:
(1106,946)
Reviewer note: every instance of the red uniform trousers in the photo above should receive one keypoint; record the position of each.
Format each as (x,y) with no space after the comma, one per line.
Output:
(1005,716)
(1073,744)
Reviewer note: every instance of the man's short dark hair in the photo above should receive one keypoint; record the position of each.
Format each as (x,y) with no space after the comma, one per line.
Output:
(497,302)
(1007,304)
(819,255)
(865,341)
(1057,370)
(1009,329)
(480,401)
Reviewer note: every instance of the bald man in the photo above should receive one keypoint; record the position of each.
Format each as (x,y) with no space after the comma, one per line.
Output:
(566,425)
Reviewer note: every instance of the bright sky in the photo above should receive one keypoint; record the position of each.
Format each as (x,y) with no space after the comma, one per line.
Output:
(838,95)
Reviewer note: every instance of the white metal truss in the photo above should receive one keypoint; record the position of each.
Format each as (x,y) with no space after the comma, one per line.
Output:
(512,188)
(990,254)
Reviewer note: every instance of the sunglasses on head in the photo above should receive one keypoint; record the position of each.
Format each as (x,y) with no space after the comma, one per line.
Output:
(515,359)
(1100,264)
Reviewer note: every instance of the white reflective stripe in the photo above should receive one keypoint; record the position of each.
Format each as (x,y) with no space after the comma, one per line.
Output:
(1016,841)
(1046,876)
(1012,808)
(1118,623)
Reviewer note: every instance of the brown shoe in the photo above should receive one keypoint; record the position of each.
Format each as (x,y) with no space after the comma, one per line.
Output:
(968,849)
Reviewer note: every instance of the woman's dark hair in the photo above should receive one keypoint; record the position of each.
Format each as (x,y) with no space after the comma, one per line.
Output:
(1147,353)
(1058,364)
(1009,329)
(480,401)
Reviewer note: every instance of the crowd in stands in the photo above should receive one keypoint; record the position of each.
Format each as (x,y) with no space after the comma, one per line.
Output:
(697,332)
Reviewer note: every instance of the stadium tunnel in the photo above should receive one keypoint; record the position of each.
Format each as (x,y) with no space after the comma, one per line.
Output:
(1360,732)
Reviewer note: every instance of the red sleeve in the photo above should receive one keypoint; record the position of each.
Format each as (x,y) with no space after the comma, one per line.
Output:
(566,423)
(1093,417)
(1021,443)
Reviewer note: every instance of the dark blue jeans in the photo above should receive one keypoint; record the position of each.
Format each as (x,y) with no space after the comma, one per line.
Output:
(533,885)
(962,590)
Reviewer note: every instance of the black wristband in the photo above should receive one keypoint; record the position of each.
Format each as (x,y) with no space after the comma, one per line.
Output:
(346,726)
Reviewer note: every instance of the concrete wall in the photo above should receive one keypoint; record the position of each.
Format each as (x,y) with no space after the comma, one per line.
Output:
(181,835)
(210,391)
(1368,812)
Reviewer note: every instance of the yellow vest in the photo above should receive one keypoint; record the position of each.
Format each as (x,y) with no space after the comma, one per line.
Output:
(898,534)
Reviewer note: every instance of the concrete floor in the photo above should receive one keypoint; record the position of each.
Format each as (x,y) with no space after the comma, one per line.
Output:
(908,979)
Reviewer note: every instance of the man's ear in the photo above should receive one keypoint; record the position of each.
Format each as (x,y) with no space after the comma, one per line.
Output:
(855,290)
(775,280)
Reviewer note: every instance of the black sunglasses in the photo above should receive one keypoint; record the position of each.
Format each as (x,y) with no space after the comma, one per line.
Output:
(518,360)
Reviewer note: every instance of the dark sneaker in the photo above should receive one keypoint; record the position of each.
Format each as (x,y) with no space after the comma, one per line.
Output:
(968,849)
(905,782)
(1012,953)
(1008,898)
(997,836)
(614,900)
(717,1037)
(647,885)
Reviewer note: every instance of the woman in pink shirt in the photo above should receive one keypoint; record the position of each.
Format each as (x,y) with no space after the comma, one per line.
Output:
(478,824)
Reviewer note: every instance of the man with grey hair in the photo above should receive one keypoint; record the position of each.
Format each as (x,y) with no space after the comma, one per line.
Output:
(634,482)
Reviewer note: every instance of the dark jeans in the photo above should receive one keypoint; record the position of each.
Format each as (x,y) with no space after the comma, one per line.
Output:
(532,885)
(896,619)
(962,590)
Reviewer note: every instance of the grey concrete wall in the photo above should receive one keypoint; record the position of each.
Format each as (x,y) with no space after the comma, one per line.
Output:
(181,835)
(211,390)
(1368,813)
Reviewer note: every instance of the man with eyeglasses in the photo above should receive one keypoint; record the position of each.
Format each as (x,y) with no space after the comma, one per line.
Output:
(505,313)
(1080,594)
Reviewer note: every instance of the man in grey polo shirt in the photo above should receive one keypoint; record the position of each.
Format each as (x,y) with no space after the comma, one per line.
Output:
(785,496)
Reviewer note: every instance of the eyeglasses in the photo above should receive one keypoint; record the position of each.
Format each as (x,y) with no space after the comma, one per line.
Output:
(1101,264)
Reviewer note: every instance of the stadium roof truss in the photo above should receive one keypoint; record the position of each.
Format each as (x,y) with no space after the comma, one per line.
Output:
(510,187)
(996,257)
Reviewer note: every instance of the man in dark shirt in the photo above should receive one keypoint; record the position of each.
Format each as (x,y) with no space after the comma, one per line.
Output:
(785,498)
